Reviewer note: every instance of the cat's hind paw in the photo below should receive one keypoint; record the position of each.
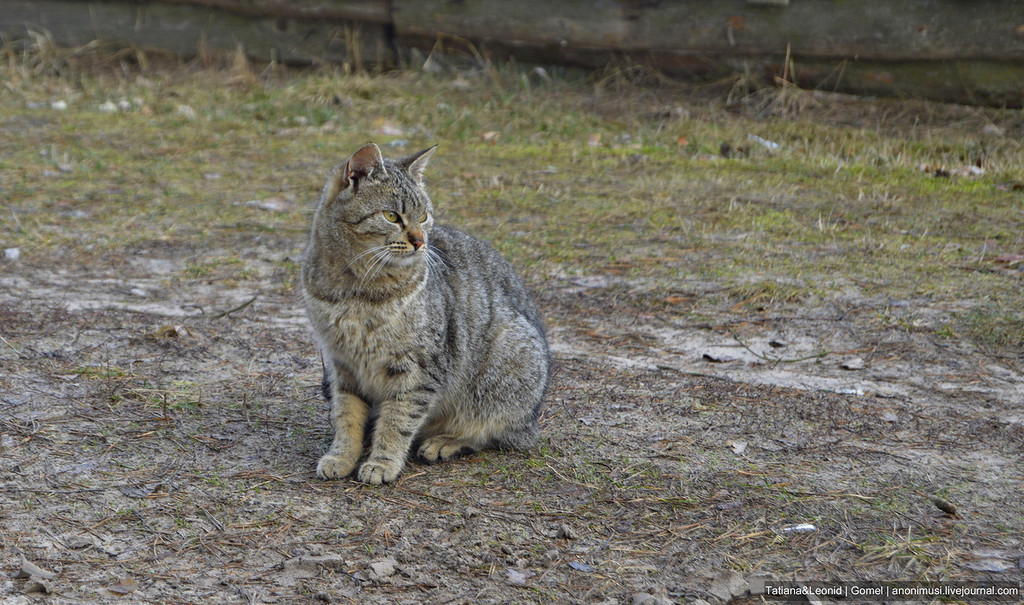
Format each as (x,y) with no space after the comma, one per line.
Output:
(376,472)
(444,447)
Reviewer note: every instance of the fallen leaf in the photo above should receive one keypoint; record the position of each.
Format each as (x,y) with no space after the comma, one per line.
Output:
(141,492)
(682,141)
(738,447)
(123,586)
(491,136)
(518,577)
(944,506)
(993,565)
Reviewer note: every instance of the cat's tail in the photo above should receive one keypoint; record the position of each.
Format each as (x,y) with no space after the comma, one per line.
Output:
(325,384)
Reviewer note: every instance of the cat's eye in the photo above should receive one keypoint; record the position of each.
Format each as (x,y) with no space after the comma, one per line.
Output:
(392,217)
(423,218)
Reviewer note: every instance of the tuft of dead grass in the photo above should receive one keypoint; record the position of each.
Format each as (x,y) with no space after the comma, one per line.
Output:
(161,411)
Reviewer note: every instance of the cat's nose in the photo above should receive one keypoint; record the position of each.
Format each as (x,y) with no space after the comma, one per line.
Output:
(416,239)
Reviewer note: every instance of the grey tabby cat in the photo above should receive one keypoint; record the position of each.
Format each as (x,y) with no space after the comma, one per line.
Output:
(427,334)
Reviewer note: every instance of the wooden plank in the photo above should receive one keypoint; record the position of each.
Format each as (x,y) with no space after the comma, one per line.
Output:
(888,30)
(297,35)
(939,49)
(949,50)
(369,11)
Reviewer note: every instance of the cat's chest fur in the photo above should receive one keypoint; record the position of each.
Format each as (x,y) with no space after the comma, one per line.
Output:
(370,339)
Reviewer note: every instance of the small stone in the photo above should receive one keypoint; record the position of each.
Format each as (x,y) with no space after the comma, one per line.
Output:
(383,568)
(29,569)
(565,532)
(550,557)
(108,107)
(729,585)
(12,253)
(855,363)
(38,585)
(78,542)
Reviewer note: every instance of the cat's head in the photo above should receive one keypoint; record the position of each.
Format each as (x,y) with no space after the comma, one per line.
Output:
(379,208)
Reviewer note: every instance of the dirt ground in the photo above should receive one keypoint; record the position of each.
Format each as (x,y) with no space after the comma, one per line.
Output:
(159,444)
(714,421)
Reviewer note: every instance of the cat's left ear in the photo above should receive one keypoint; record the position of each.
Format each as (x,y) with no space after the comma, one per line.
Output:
(415,163)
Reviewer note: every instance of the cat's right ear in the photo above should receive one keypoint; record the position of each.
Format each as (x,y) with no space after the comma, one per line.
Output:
(364,162)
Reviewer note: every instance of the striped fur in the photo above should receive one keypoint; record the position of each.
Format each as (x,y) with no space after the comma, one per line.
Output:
(427,334)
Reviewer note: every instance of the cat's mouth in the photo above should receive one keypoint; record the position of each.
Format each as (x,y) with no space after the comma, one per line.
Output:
(404,259)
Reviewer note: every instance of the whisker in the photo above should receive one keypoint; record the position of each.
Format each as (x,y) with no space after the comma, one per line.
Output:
(381,265)
(361,255)
(436,257)
(376,261)
(432,269)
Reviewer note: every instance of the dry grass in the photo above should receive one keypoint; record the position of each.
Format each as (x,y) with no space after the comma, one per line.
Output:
(159,392)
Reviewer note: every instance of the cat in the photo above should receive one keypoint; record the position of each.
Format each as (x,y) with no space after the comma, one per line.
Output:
(428,335)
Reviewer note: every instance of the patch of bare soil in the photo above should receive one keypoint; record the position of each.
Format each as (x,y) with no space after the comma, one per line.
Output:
(159,435)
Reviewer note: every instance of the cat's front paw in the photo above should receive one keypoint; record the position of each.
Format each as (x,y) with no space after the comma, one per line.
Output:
(376,472)
(335,466)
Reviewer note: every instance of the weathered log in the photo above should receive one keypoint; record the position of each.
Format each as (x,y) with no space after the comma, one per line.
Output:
(940,49)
